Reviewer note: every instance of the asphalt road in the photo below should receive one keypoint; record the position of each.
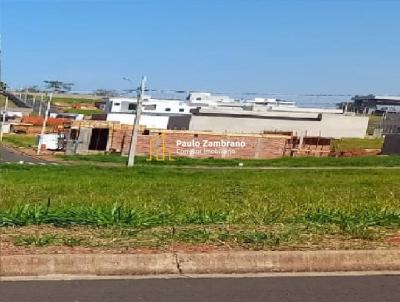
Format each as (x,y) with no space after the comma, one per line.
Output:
(9,155)
(282,289)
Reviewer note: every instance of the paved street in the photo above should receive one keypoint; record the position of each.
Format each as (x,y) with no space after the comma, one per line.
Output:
(9,155)
(282,289)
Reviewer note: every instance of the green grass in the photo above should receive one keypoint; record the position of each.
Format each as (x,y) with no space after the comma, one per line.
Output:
(74,101)
(3,101)
(87,112)
(368,161)
(68,100)
(20,140)
(102,158)
(251,208)
(346,144)
(374,122)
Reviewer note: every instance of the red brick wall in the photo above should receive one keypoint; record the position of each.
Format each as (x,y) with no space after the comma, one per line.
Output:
(263,146)
(255,146)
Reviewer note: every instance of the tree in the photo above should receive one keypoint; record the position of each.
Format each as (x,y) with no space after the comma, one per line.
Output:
(33,88)
(58,86)
(3,86)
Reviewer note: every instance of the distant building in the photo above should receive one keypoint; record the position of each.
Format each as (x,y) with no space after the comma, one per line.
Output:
(372,104)
(205,112)
(300,123)
(156,113)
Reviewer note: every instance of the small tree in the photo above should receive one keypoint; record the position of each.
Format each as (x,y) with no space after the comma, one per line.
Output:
(58,86)
(3,86)
(33,88)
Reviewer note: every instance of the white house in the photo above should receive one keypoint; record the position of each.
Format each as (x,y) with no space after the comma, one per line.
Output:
(153,106)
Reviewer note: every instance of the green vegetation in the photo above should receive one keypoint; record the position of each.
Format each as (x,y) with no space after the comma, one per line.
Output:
(20,140)
(66,100)
(346,144)
(73,100)
(103,158)
(3,101)
(83,111)
(158,206)
(368,161)
(374,122)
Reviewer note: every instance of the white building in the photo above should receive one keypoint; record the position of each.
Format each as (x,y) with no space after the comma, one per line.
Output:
(300,123)
(205,112)
(156,113)
(153,106)
(208,99)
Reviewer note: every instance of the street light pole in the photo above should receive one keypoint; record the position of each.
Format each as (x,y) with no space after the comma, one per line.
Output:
(132,148)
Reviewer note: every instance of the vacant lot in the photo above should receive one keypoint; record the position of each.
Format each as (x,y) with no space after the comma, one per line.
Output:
(348,144)
(158,207)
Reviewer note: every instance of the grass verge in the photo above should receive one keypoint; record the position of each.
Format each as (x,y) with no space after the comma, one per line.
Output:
(20,140)
(155,207)
(367,161)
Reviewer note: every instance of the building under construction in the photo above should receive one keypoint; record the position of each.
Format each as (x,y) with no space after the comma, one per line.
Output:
(101,136)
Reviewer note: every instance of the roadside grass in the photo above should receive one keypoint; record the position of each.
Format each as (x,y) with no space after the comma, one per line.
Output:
(157,206)
(367,161)
(20,140)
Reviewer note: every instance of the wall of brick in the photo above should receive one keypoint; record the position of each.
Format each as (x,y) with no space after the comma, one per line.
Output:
(201,145)
(177,143)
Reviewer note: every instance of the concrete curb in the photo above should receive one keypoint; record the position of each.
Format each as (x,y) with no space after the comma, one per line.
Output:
(196,263)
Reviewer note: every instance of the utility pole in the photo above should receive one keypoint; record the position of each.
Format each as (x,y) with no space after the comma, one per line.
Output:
(3,120)
(40,105)
(0,60)
(44,124)
(132,149)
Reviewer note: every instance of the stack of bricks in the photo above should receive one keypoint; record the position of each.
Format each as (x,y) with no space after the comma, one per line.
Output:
(315,147)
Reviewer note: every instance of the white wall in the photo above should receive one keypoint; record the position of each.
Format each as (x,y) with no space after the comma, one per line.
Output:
(121,105)
(150,121)
(331,125)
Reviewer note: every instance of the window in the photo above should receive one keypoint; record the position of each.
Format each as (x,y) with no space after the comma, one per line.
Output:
(117,104)
(198,99)
(167,109)
(181,110)
(150,107)
(132,106)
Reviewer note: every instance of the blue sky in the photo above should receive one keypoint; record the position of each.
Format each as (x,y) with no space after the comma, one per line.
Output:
(236,46)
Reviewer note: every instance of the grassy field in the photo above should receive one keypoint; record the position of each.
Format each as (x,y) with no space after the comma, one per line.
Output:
(369,161)
(156,207)
(68,100)
(3,101)
(20,140)
(87,112)
(346,144)
(73,101)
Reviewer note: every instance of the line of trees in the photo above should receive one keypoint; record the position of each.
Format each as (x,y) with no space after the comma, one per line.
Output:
(60,87)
